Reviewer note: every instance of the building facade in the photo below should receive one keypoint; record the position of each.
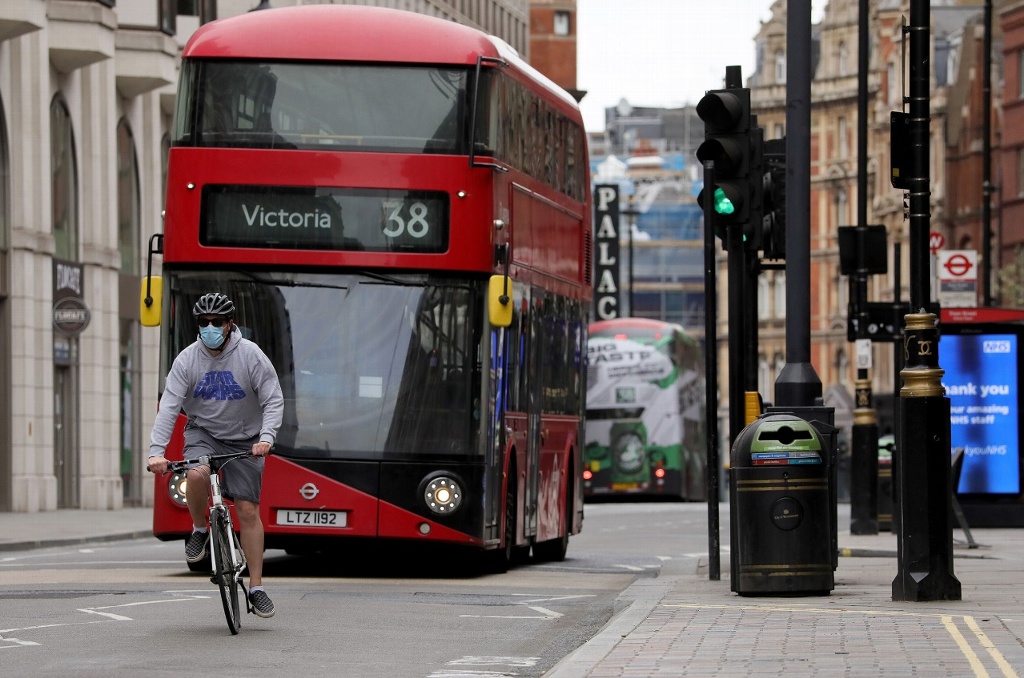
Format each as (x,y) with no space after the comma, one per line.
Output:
(553,42)
(87,90)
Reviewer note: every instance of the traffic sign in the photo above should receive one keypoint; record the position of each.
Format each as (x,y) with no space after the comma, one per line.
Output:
(957,271)
(936,241)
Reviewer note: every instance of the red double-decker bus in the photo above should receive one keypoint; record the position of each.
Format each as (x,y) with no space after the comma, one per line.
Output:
(399,207)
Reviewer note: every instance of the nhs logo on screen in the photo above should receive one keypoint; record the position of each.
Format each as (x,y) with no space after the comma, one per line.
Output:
(993,346)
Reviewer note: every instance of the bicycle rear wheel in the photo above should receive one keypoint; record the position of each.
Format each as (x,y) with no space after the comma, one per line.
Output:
(224,575)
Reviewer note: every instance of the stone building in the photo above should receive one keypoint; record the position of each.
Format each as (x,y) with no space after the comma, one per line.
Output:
(954,157)
(87,90)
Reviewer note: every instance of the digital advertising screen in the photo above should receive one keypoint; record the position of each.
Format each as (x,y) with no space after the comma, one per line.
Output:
(981,381)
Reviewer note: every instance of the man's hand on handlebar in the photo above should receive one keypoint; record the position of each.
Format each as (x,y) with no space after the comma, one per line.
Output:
(157,465)
(261,449)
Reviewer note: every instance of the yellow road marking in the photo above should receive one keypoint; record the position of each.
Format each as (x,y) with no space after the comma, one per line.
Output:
(1001,662)
(947,621)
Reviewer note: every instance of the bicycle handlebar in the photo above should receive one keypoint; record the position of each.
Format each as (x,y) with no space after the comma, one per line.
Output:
(211,460)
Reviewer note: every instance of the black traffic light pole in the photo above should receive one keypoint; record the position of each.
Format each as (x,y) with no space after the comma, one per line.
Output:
(864,442)
(924,546)
(711,379)
(728,132)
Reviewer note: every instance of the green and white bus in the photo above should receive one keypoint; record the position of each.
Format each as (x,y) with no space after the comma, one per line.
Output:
(645,428)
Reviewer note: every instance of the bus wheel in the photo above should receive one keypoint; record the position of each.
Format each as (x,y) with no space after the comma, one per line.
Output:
(499,561)
(553,550)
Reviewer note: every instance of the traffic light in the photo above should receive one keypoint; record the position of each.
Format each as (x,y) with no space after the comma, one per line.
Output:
(774,200)
(727,142)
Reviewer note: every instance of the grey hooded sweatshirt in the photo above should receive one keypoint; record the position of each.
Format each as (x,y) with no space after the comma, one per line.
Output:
(234,395)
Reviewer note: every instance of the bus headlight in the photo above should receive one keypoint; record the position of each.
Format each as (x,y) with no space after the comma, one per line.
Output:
(176,488)
(442,494)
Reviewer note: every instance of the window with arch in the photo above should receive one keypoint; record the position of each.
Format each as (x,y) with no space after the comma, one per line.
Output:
(780,67)
(64,182)
(780,294)
(842,366)
(763,299)
(1020,74)
(127,199)
(764,376)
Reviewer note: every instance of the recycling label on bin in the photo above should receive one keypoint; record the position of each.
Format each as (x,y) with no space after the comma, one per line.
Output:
(784,443)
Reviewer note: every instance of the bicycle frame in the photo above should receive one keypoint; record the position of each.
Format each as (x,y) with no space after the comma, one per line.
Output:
(217,504)
(227,560)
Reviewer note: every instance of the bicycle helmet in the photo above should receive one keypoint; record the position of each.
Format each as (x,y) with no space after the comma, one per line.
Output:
(214,303)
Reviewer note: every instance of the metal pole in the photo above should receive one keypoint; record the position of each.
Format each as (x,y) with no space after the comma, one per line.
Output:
(986,160)
(798,384)
(864,439)
(711,379)
(925,536)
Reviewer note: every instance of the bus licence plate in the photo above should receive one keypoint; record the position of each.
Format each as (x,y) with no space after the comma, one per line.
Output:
(312,518)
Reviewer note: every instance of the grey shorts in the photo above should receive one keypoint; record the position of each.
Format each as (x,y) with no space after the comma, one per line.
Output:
(240,478)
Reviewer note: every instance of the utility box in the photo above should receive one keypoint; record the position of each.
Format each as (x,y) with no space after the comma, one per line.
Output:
(780,517)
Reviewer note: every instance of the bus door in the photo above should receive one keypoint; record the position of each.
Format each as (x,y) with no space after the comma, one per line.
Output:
(535,345)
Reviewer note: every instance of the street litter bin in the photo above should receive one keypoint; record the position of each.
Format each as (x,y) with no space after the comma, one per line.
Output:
(781,531)
(886,446)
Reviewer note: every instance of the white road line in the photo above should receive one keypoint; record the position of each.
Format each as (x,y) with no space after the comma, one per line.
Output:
(542,600)
(16,641)
(471,660)
(474,660)
(631,568)
(111,615)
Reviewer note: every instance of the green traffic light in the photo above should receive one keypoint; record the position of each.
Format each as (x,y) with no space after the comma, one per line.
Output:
(722,203)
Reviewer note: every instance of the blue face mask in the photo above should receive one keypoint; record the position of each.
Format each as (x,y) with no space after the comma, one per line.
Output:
(212,336)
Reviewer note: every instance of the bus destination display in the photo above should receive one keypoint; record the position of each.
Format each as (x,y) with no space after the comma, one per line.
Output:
(324,218)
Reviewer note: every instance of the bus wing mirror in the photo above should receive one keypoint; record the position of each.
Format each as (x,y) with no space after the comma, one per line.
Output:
(151,300)
(499,301)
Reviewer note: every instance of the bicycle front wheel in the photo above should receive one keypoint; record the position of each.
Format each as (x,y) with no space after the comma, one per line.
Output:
(224,574)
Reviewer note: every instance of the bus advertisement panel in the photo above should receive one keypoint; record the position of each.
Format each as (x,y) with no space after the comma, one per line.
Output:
(645,417)
(399,207)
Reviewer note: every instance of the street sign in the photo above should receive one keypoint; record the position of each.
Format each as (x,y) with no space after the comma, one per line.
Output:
(936,241)
(957,271)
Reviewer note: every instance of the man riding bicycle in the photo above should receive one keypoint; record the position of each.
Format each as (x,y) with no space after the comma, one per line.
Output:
(230,392)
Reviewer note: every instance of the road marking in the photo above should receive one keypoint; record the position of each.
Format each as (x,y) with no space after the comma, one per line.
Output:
(16,641)
(947,621)
(542,600)
(1000,660)
(631,568)
(470,660)
(66,564)
(111,615)
(546,615)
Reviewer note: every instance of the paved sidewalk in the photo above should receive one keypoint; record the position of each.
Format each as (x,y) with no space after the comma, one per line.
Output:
(19,531)
(681,623)
(684,624)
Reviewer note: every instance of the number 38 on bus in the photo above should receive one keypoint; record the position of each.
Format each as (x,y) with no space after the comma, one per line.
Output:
(399,207)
